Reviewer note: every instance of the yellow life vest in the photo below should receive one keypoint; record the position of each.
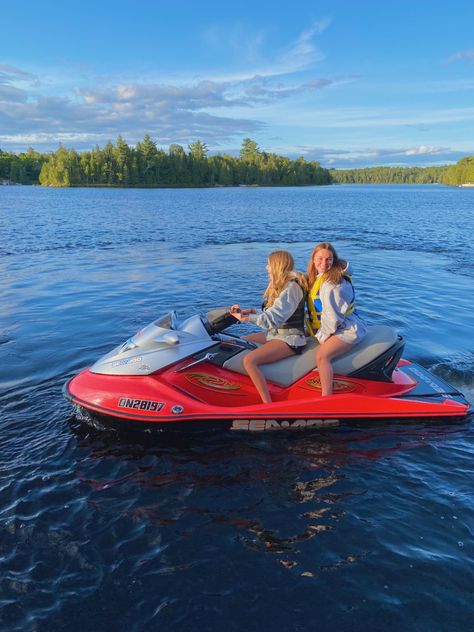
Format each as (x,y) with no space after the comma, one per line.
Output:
(315,307)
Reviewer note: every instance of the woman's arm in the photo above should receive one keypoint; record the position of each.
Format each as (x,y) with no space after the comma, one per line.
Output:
(335,300)
(281,310)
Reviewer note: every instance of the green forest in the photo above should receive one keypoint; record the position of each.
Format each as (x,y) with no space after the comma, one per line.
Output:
(147,165)
(389,175)
(21,168)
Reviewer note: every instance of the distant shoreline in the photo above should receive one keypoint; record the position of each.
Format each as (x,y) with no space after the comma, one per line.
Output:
(147,166)
(238,186)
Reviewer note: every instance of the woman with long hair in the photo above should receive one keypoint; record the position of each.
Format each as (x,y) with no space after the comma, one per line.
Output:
(282,317)
(332,315)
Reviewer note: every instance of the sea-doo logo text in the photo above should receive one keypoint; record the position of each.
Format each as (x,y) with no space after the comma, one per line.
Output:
(285,424)
(140,404)
(124,361)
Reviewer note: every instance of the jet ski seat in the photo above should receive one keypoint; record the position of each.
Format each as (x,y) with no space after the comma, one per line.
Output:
(379,339)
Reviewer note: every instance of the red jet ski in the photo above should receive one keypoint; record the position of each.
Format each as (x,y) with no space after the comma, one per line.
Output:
(189,376)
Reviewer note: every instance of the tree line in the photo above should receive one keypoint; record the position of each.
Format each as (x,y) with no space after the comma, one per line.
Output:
(389,175)
(23,168)
(460,173)
(147,165)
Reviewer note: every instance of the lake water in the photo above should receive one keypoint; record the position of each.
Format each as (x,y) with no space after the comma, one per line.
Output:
(356,528)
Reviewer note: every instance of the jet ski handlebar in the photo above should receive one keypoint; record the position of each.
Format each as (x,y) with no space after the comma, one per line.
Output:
(218,319)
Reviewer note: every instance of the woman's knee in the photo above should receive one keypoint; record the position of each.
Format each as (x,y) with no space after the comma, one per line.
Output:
(321,355)
(248,361)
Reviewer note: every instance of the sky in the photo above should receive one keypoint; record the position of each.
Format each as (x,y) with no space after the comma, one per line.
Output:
(350,84)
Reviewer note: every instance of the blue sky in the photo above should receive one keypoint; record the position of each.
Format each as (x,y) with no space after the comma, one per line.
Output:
(346,83)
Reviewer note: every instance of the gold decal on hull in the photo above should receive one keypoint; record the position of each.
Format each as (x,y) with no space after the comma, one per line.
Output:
(339,386)
(212,382)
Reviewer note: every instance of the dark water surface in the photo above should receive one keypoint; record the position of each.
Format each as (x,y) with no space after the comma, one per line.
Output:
(356,528)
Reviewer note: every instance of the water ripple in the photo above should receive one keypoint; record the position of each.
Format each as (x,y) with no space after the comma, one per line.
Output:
(368,526)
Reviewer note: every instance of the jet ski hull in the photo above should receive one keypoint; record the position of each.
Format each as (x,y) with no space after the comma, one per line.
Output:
(190,375)
(180,398)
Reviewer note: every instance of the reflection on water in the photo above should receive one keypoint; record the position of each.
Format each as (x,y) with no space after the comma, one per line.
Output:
(145,519)
(366,526)
(305,480)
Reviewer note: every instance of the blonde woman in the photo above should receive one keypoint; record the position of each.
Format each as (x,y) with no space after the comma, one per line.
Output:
(282,317)
(332,315)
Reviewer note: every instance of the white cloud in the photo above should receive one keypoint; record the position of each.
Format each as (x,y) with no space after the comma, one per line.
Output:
(41,138)
(237,38)
(264,90)
(377,156)
(300,55)
(303,53)
(177,111)
(467,54)
(11,73)
(11,94)
(423,150)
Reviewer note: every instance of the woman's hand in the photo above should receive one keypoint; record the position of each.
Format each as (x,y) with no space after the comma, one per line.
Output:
(236,312)
(240,314)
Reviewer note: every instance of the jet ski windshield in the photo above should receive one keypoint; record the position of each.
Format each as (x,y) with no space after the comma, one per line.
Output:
(168,321)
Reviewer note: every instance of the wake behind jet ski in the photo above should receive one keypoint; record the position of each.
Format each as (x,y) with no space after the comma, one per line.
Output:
(189,375)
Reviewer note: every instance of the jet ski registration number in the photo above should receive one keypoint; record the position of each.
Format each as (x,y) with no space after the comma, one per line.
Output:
(284,424)
(140,404)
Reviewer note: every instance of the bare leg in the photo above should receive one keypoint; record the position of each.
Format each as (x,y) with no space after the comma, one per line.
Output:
(270,352)
(330,349)
(259,337)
